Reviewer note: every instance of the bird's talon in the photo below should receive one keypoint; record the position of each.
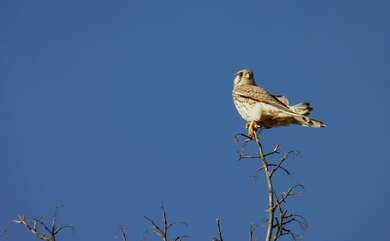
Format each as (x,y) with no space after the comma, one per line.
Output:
(252,127)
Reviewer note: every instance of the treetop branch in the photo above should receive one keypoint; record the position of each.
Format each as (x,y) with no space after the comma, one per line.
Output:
(279,218)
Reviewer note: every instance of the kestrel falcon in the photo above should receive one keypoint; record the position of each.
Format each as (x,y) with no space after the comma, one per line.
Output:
(263,110)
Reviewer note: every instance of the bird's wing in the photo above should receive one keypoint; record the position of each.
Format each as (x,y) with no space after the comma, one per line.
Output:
(282,99)
(259,94)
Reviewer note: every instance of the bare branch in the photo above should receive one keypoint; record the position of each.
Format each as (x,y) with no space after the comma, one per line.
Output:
(163,231)
(34,224)
(276,167)
(246,140)
(276,150)
(279,218)
(180,238)
(268,176)
(62,228)
(285,195)
(42,224)
(155,228)
(33,228)
(251,233)
(165,222)
(219,229)
(279,166)
(124,232)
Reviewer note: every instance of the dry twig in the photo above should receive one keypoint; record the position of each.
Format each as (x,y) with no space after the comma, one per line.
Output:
(35,224)
(219,230)
(124,232)
(162,231)
(251,233)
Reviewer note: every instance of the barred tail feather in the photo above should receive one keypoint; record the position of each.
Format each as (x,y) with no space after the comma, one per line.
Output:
(305,121)
(302,108)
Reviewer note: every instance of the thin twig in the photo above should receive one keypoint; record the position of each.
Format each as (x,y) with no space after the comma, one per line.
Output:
(251,233)
(285,195)
(219,230)
(163,231)
(124,232)
(36,223)
(276,150)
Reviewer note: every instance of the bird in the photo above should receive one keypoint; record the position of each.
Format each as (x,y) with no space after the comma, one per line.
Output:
(261,109)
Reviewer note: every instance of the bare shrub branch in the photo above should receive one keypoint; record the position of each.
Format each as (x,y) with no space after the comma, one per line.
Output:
(251,233)
(124,232)
(162,231)
(219,230)
(34,225)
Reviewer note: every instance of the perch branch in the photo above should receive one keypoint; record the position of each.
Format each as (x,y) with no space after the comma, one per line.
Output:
(268,176)
(279,218)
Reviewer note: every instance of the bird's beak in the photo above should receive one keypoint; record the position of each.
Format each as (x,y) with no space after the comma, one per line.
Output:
(247,75)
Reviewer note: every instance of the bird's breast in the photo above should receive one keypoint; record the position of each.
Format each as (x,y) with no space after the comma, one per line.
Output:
(249,109)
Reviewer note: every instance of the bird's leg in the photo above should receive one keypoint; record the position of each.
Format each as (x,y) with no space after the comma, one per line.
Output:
(252,127)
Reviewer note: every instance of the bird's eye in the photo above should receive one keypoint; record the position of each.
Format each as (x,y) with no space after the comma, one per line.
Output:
(239,74)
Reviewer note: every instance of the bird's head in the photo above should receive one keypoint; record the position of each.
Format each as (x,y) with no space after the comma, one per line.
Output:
(244,77)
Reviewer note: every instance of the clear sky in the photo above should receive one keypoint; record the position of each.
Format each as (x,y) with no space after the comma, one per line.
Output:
(112,107)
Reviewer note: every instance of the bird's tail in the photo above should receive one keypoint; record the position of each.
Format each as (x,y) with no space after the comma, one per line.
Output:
(306,121)
(302,108)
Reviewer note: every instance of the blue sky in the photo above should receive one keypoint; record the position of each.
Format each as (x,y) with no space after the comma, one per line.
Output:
(111,108)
